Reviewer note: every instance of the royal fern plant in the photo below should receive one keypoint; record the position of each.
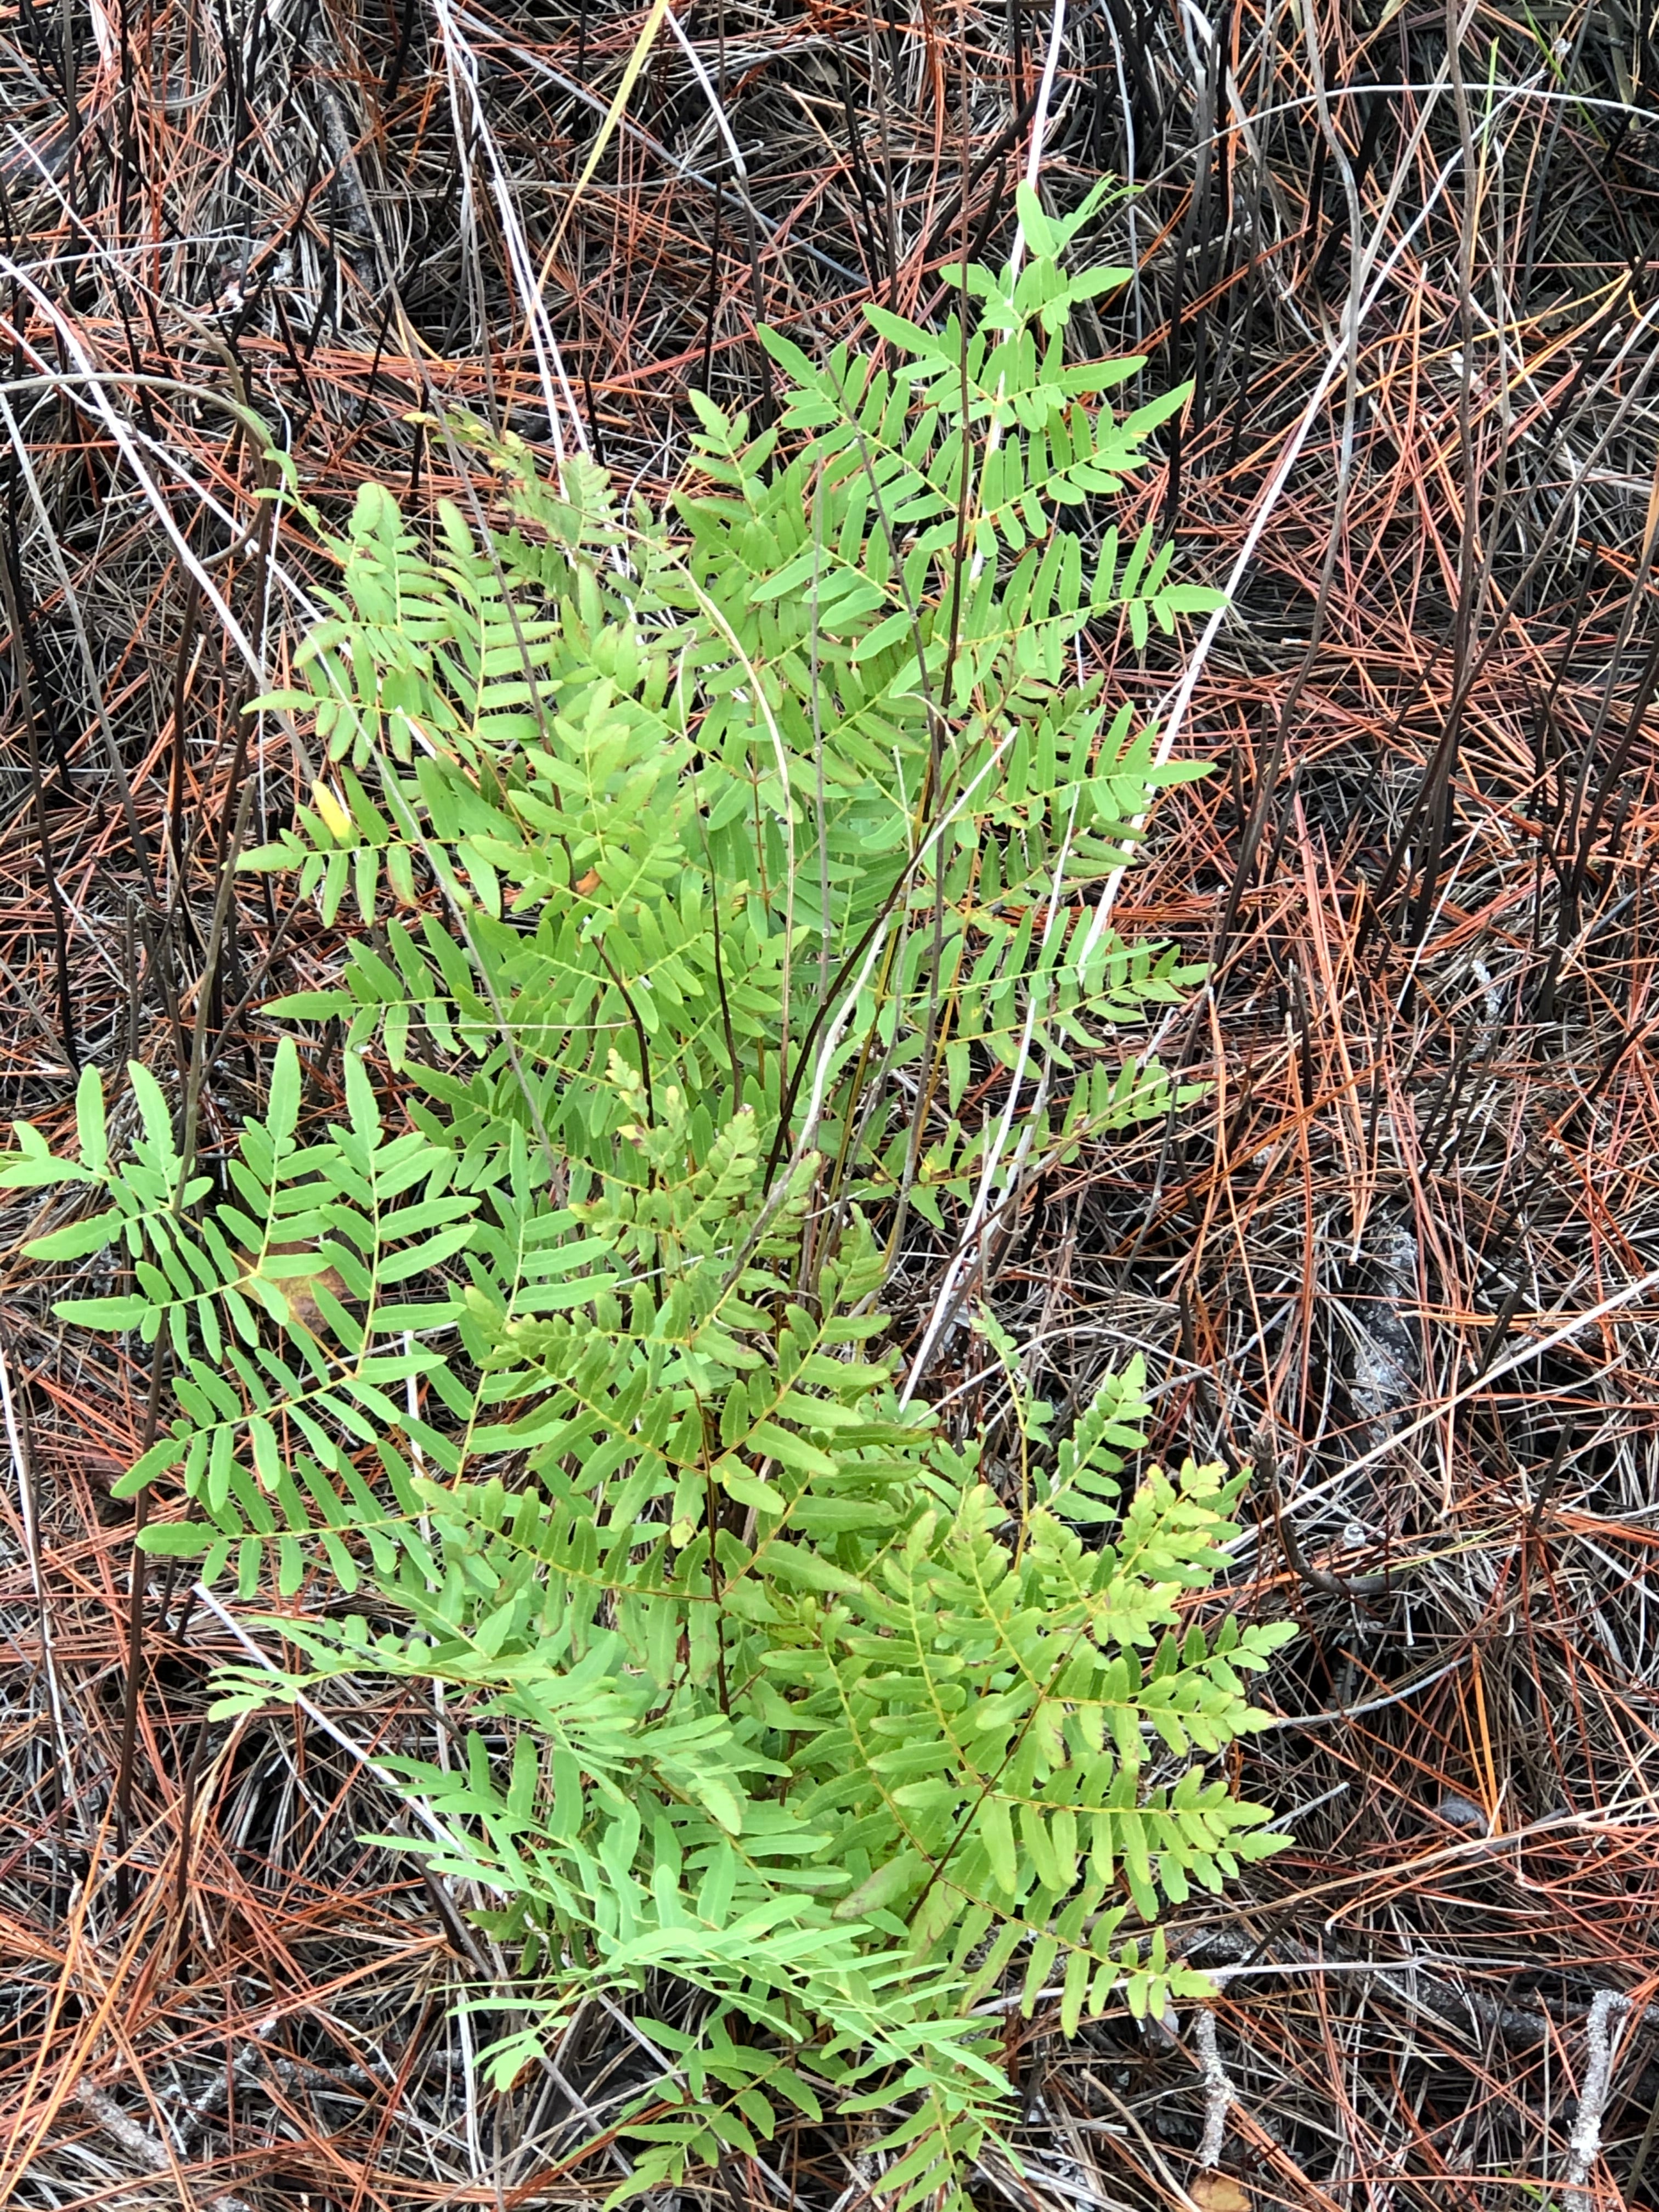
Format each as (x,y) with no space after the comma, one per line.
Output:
(727,908)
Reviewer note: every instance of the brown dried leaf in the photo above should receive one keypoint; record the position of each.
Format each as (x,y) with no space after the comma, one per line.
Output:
(1218,2192)
(300,1291)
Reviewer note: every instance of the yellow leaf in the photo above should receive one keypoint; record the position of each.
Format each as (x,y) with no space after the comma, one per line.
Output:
(336,820)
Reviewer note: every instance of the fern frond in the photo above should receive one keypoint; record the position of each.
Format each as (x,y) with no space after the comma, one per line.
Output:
(730,879)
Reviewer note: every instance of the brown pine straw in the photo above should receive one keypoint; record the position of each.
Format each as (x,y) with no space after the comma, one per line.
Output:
(1420,869)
